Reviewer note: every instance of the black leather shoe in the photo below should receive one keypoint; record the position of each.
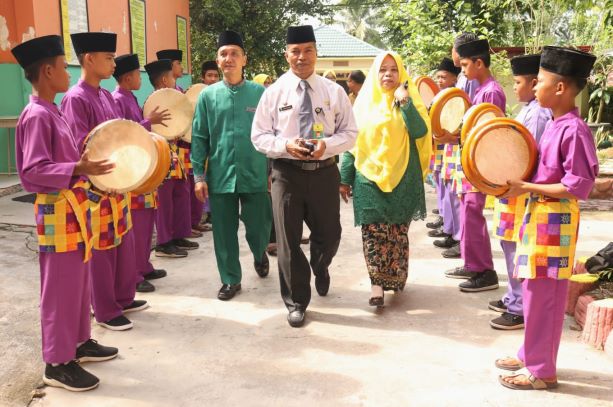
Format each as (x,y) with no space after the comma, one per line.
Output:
(145,287)
(296,318)
(437,233)
(228,291)
(436,224)
(446,242)
(454,252)
(435,211)
(484,281)
(322,284)
(155,274)
(262,267)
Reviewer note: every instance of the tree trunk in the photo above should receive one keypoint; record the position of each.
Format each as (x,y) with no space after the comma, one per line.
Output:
(578,285)
(598,323)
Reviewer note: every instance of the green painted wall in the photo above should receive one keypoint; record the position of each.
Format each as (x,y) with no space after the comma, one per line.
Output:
(14,95)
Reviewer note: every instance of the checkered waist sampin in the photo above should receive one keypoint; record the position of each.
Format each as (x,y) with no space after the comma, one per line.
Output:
(184,152)
(547,239)
(449,160)
(62,220)
(508,217)
(144,201)
(110,218)
(436,159)
(177,169)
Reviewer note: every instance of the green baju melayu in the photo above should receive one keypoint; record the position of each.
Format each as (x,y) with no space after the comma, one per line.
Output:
(236,173)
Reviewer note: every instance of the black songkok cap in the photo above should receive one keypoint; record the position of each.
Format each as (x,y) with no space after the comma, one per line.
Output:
(473,48)
(157,67)
(94,42)
(567,61)
(300,34)
(526,64)
(447,65)
(125,63)
(230,38)
(172,54)
(39,48)
(209,66)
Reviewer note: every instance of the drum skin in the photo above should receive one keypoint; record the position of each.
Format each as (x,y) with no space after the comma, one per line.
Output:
(447,110)
(476,115)
(427,89)
(181,112)
(192,94)
(497,151)
(128,145)
(162,168)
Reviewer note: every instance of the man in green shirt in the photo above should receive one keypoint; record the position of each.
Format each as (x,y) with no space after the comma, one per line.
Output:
(236,174)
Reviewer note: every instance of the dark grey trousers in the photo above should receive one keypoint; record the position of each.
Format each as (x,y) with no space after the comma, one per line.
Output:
(312,197)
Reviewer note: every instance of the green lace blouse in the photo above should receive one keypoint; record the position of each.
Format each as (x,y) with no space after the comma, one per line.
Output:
(407,201)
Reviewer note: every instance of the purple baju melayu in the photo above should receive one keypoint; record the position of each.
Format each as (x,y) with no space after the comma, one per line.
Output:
(567,155)
(46,155)
(113,271)
(475,240)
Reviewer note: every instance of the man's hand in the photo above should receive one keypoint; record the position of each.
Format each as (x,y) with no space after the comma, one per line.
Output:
(296,149)
(447,138)
(345,191)
(320,149)
(159,117)
(201,189)
(85,166)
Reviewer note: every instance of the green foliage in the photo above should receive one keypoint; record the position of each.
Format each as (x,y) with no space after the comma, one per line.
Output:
(362,21)
(262,24)
(606,275)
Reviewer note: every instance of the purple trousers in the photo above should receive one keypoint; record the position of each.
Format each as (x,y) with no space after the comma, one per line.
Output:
(475,239)
(64,304)
(113,276)
(197,207)
(544,303)
(452,224)
(513,298)
(173,215)
(440,188)
(142,227)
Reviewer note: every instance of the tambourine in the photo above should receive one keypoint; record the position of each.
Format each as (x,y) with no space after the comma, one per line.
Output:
(427,89)
(447,110)
(128,145)
(497,151)
(179,107)
(476,115)
(164,159)
(192,94)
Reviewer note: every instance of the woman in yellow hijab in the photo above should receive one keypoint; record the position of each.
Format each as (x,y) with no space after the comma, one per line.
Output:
(263,80)
(385,171)
(330,74)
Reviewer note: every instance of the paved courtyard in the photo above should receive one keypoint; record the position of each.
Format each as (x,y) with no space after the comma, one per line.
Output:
(430,346)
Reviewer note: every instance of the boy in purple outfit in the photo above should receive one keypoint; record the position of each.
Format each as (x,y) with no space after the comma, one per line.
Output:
(86,105)
(451,201)
(475,240)
(49,163)
(509,212)
(196,208)
(566,170)
(142,207)
(171,223)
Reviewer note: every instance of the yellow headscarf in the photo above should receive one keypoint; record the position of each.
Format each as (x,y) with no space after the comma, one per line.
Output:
(382,148)
(260,78)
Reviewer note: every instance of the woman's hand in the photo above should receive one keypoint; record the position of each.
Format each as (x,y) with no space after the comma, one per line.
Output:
(401,95)
(345,191)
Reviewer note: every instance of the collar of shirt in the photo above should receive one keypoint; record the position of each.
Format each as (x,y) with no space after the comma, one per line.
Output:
(123,91)
(294,81)
(236,87)
(50,106)
(89,88)
(571,115)
(486,82)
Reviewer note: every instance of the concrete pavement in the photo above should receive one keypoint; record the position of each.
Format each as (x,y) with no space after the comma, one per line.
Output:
(430,346)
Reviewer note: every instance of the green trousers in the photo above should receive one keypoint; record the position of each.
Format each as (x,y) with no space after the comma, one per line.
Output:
(254,209)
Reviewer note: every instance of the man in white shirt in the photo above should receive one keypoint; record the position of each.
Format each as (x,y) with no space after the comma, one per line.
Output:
(302,122)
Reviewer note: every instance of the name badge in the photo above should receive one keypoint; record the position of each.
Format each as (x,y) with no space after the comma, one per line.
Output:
(318,130)
(284,108)
(251,109)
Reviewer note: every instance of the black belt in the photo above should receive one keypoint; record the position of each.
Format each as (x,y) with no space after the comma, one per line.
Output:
(309,165)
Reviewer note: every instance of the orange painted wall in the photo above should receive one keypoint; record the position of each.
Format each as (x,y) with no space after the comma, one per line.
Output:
(162,26)
(103,15)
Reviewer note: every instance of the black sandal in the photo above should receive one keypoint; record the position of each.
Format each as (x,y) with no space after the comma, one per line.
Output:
(375,301)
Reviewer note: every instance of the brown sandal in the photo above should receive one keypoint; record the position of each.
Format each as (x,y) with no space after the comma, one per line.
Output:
(534,383)
(509,363)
